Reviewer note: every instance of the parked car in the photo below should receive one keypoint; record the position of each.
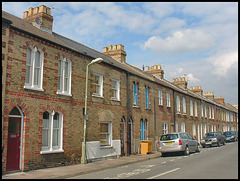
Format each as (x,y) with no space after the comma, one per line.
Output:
(230,136)
(178,142)
(236,132)
(213,138)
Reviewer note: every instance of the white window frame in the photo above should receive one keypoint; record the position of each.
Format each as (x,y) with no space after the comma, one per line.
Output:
(195,107)
(184,105)
(99,84)
(116,89)
(202,109)
(160,98)
(62,76)
(135,94)
(178,105)
(182,127)
(168,99)
(205,110)
(194,129)
(164,128)
(191,108)
(50,148)
(209,109)
(212,112)
(32,68)
(108,135)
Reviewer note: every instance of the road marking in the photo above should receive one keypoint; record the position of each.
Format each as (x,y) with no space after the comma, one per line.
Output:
(164,173)
(163,162)
(172,160)
(180,158)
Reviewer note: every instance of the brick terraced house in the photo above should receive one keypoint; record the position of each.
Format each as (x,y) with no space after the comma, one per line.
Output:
(43,88)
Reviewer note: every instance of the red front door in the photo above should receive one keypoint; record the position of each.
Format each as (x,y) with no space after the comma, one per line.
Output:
(13,149)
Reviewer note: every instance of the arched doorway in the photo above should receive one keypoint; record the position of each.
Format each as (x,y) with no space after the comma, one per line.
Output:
(15,125)
(122,136)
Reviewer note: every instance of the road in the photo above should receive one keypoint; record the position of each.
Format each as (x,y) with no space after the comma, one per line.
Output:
(210,163)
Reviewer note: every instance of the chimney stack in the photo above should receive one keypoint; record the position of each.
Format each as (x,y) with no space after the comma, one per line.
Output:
(209,95)
(180,82)
(220,100)
(197,89)
(116,51)
(155,70)
(40,16)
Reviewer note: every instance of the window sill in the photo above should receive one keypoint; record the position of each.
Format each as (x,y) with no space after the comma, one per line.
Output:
(64,94)
(115,99)
(178,113)
(97,95)
(50,152)
(160,105)
(136,106)
(147,109)
(33,88)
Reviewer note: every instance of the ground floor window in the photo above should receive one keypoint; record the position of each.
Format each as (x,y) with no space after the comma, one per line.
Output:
(52,131)
(105,133)
(164,128)
(143,131)
(183,127)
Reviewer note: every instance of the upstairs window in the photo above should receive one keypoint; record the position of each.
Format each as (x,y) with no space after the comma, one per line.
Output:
(195,109)
(212,112)
(184,105)
(168,100)
(191,108)
(178,104)
(147,97)
(202,109)
(160,98)
(115,89)
(97,85)
(205,111)
(34,69)
(135,93)
(209,109)
(64,77)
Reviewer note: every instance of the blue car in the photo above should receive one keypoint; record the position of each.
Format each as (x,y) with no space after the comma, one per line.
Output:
(230,136)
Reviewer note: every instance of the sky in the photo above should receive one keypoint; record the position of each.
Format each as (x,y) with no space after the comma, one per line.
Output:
(195,40)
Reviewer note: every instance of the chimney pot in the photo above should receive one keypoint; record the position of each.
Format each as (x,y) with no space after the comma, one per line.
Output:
(30,11)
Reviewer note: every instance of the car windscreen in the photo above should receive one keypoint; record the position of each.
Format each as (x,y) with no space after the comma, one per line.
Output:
(210,134)
(229,133)
(169,137)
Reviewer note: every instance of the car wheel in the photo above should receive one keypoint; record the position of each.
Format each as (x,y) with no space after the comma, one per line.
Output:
(203,146)
(223,142)
(218,143)
(186,152)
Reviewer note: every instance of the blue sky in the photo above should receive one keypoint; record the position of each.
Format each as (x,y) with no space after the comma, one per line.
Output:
(197,40)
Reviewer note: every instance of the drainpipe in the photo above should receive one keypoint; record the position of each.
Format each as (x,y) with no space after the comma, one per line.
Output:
(174,114)
(128,113)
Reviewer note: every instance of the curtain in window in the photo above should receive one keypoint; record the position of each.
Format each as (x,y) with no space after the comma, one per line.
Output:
(45,130)
(135,93)
(143,130)
(28,66)
(147,97)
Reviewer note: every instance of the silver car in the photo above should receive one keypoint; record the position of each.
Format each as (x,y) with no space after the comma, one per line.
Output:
(178,142)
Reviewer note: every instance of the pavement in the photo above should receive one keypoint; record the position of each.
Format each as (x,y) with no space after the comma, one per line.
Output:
(64,172)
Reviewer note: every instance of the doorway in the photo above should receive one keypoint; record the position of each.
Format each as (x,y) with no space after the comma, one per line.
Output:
(14,140)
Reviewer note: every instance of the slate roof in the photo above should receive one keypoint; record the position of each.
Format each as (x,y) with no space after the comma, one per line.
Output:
(27,27)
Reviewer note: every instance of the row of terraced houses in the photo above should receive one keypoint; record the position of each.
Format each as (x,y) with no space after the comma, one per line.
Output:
(43,99)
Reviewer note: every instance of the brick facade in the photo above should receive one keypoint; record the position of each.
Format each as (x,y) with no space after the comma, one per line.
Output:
(33,103)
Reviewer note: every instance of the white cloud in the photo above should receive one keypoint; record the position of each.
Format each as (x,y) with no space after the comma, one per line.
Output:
(182,41)
(191,78)
(223,62)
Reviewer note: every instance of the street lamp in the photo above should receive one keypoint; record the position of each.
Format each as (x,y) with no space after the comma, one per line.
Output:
(83,159)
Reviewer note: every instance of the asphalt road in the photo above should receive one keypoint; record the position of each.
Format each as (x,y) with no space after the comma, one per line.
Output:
(210,163)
